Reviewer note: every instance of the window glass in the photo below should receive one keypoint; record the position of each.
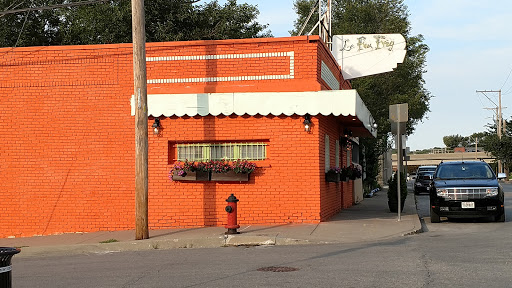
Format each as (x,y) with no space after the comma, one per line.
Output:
(465,171)
(219,151)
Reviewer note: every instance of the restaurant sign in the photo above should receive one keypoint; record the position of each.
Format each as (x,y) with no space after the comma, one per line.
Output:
(368,54)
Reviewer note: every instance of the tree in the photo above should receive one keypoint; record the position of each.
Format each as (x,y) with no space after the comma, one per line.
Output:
(453,141)
(404,85)
(110,22)
(501,149)
(35,28)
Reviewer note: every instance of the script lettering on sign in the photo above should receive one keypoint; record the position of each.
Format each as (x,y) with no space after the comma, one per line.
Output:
(368,54)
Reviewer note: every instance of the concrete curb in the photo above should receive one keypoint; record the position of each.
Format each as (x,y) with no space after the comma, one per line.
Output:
(366,222)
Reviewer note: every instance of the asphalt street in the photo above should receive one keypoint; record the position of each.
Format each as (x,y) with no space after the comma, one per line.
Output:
(450,253)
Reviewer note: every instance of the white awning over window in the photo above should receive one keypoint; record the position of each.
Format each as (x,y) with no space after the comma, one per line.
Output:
(330,102)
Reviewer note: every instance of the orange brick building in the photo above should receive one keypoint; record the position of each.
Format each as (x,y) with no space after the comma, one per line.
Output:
(68,149)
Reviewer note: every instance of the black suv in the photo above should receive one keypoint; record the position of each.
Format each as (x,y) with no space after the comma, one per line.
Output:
(422,181)
(466,189)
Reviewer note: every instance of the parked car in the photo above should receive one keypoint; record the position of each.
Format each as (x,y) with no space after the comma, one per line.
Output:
(426,168)
(422,182)
(411,176)
(466,189)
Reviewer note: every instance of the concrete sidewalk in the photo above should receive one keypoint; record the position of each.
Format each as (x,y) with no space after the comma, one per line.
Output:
(369,221)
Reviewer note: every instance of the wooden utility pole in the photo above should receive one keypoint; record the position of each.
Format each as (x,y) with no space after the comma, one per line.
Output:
(141,120)
(498,115)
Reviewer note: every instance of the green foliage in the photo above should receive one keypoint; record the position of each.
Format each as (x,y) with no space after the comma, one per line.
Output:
(110,22)
(499,148)
(34,28)
(372,149)
(393,187)
(453,141)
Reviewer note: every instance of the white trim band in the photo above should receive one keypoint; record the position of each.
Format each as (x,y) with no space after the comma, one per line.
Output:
(222,56)
(290,54)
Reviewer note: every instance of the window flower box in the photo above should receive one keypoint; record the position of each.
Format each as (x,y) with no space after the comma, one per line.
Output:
(221,170)
(332,176)
(191,176)
(353,171)
(230,176)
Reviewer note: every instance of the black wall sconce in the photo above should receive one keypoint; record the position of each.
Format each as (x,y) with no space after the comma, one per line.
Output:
(307,122)
(156,126)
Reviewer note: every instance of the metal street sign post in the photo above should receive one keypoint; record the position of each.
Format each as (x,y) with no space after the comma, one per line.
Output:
(399,115)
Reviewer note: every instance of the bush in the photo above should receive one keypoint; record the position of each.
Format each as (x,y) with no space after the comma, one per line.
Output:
(393,188)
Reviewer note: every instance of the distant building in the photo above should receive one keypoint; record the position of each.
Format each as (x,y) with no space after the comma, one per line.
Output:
(459,150)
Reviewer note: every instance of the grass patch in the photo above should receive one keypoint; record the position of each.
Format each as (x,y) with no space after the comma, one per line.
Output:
(110,241)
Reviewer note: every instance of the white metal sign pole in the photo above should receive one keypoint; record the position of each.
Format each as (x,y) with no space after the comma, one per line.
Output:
(399,167)
(398,114)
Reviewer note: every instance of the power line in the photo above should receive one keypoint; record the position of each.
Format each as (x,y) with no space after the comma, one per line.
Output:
(506,79)
(2,13)
(483,92)
(79,3)
(508,91)
(22,27)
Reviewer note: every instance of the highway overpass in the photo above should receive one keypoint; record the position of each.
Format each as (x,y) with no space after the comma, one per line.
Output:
(416,160)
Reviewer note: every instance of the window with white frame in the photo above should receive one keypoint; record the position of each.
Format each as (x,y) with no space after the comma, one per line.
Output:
(221,151)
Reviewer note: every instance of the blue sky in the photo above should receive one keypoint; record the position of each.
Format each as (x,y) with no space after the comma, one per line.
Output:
(470,49)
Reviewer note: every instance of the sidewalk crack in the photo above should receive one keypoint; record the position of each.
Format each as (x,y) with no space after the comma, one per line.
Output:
(314,229)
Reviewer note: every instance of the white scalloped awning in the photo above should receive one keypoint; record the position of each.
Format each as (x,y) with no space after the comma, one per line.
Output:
(329,102)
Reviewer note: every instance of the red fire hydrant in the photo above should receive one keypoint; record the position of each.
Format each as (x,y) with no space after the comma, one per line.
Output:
(232,221)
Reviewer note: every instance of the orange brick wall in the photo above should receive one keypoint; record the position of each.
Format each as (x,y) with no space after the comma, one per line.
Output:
(67,144)
(284,189)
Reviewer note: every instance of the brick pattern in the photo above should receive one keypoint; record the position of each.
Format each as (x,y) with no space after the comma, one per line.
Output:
(68,138)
